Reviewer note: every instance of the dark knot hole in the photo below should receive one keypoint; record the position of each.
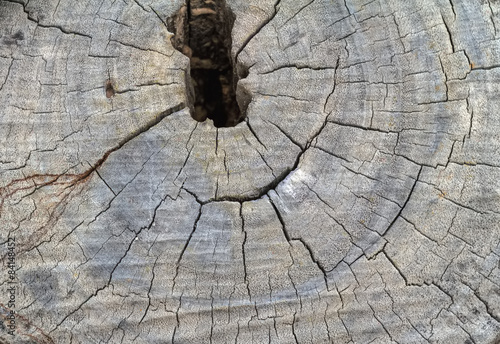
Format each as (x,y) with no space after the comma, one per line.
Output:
(202,31)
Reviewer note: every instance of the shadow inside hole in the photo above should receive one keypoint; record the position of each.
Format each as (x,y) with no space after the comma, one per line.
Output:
(202,31)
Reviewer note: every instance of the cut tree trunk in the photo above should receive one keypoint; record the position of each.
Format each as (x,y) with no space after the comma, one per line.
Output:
(356,200)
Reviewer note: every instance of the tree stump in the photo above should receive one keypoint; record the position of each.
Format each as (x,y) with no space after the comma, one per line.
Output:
(351,193)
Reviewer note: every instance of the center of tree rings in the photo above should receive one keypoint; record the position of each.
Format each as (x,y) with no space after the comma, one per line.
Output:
(202,32)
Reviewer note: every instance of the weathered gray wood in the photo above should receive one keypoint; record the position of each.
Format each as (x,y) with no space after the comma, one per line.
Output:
(359,202)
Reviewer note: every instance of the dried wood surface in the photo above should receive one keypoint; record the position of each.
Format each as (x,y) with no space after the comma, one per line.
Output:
(359,202)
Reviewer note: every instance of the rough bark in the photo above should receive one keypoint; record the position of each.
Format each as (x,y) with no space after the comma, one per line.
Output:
(358,202)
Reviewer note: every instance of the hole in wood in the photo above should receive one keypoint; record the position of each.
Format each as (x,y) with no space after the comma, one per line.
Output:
(202,31)
(110,91)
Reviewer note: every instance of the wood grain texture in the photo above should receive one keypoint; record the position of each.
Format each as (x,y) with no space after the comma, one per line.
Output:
(359,202)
